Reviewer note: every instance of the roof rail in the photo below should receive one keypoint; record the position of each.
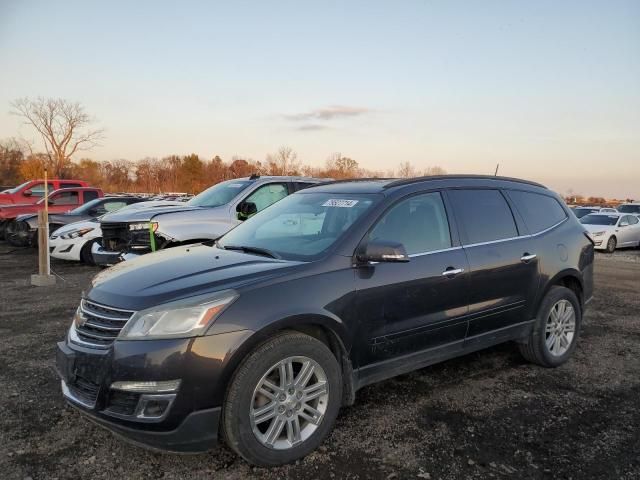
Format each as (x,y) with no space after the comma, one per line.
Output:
(409,181)
(349,180)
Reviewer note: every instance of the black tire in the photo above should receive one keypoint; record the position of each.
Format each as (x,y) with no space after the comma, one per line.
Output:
(236,423)
(85,254)
(611,244)
(535,349)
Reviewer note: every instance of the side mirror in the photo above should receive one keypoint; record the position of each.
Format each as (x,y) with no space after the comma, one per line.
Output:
(27,193)
(96,212)
(624,224)
(246,209)
(383,251)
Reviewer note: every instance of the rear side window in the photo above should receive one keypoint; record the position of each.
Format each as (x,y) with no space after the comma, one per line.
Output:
(539,211)
(90,195)
(419,223)
(483,215)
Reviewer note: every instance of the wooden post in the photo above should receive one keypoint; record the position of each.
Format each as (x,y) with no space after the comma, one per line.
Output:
(44,277)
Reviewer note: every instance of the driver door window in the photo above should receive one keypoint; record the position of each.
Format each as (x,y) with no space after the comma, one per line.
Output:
(267,195)
(419,223)
(38,189)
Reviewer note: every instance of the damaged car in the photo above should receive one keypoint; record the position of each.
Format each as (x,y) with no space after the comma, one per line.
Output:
(207,216)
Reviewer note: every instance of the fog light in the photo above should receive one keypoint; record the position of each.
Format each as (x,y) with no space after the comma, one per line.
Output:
(147,387)
(154,407)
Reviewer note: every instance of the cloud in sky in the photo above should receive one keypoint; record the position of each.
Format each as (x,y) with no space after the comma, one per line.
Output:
(328,113)
(312,127)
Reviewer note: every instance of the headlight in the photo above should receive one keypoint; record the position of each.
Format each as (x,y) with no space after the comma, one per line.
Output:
(597,234)
(74,233)
(143,226)
(183,318)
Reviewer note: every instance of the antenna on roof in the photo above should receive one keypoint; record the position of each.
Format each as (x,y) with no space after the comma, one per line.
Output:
(495,174)
(254,176)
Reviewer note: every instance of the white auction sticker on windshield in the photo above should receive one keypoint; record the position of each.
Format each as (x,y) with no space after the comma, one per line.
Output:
(339,202)
(236,185)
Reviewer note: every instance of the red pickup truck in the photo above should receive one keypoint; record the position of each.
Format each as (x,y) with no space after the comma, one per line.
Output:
(60,201)
(33,190)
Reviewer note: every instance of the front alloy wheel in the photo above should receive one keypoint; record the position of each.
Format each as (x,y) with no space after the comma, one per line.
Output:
(283,399)
(289,402)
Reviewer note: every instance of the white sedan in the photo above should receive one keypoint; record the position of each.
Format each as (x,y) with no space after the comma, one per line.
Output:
(612,230)
(74,241)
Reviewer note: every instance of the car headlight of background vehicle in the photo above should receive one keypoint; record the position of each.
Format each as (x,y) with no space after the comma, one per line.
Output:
(597,234)
(183,318)
(75,233)
(143,226)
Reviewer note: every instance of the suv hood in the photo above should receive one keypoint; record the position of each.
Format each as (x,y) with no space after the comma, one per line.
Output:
(181,272)
(144,214)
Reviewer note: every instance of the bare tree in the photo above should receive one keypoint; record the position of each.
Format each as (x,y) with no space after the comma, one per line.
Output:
(284,162)
(62,125)
(406,170)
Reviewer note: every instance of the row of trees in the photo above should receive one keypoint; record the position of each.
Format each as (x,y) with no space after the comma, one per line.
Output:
(174,173)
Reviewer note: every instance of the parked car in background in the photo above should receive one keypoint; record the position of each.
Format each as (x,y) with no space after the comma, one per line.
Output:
(629,208)
(59,201)
(580,212)
(612,230)
(33,190)
(75,240)
(607,210)
(259,338)
(207,216)
(25,230)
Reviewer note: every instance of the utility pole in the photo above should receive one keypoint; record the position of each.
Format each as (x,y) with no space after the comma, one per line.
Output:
(495,174)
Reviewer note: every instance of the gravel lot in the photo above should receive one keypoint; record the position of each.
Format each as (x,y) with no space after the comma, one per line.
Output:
(486,415)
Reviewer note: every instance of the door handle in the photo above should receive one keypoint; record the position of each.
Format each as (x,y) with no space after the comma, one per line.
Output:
(527,257)
(452,272)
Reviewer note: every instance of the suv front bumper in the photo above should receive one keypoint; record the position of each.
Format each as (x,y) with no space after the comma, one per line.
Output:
(190,421)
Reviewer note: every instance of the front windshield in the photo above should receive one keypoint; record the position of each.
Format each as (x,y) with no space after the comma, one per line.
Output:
(629,208)
(85,208)
(594,219)
(16,189)
(219,194)
(301,226)
(581,212)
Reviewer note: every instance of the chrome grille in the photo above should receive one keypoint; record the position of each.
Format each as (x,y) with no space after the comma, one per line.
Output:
(101,324)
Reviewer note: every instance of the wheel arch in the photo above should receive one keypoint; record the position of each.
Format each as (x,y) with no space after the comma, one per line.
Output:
(325,329)
(569,278)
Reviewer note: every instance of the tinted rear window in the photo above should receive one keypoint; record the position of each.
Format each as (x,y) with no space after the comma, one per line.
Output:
(483,215)
(629,208)
(539,211)
(90,195)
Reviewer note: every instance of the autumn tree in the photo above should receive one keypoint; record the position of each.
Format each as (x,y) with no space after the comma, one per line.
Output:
(11,157)
(63,128)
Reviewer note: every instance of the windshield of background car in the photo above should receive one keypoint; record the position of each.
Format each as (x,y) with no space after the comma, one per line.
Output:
(85,208)
(629,208)
(301,226)
(581,212)
(595,219)
(219,194)
(16,189)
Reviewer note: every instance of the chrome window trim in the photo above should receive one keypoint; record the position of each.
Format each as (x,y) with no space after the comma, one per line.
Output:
(519,236)
(421,254)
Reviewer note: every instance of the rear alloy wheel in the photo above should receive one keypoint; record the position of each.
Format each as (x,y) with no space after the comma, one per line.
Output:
(283,400)
(611,245)
(556,329)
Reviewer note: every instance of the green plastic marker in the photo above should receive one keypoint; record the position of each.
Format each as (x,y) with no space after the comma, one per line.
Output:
(152,238)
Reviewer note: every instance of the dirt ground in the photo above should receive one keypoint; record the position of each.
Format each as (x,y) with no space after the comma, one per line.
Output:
(486,415)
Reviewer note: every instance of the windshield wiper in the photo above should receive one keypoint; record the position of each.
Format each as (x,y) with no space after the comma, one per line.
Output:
(256,250)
